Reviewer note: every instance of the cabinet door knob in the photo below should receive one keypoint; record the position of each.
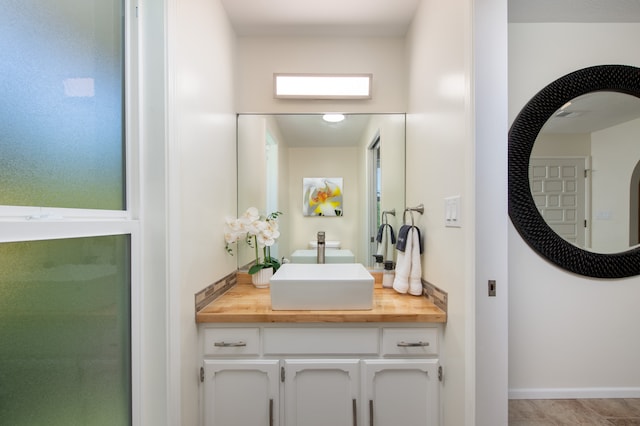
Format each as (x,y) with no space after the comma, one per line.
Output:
(412,344)
(223,344)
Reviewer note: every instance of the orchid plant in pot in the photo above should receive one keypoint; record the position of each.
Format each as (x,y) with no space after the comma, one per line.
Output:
(257,233)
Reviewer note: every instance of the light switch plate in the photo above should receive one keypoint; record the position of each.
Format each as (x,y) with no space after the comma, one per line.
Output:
(452,212)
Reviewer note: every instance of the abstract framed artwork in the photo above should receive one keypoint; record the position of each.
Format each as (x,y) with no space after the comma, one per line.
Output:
(322,197)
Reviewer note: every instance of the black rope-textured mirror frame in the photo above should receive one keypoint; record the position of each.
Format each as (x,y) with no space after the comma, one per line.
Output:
(522,210)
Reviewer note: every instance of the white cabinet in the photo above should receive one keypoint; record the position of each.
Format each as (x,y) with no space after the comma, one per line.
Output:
(241,392)
(321,392)
(400,392)
(318,375)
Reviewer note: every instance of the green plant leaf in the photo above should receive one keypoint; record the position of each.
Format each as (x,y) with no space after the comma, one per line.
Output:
(275,263)
(256,268)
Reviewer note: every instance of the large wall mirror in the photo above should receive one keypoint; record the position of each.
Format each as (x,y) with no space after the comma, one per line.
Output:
(276,152)
(574,172)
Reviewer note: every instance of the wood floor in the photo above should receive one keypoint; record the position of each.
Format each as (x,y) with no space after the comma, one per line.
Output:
(587,412)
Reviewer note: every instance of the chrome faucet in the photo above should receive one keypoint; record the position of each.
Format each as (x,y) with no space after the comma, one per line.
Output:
(321,244)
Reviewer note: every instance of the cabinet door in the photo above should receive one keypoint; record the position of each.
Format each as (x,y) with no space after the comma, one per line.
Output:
(400,392)
(241,392)
(321,392)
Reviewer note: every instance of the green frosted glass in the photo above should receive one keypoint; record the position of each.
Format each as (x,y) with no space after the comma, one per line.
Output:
(62,109)
(65,340)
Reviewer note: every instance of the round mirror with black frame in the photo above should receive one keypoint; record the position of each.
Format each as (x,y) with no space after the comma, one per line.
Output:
(524,131)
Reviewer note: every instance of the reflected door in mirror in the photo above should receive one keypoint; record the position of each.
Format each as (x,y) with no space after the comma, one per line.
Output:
(582,171)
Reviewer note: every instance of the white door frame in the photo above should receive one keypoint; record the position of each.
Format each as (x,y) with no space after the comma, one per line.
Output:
(487,356)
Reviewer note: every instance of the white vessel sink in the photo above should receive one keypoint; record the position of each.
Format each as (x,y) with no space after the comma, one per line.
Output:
(326,287)
(330,256)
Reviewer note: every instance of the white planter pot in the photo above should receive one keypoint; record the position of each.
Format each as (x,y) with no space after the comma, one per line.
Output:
(262,278)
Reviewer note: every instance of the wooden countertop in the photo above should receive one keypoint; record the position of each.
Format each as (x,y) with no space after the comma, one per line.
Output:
(245,303)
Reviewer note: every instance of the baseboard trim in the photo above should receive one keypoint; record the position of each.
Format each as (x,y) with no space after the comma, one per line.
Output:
(573,393)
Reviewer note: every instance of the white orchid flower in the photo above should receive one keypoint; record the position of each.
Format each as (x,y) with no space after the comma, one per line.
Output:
(273,229)
(231,237)
(267,237)
(255,227)
(273,224)
(233,230)
(269,233)
(250,216)
(257,233)
(262,232)
(231,222)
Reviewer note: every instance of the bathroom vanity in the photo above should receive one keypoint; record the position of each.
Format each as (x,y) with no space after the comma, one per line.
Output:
(306,368)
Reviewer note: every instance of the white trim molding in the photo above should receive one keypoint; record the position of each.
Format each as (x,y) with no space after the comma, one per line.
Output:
(574,393)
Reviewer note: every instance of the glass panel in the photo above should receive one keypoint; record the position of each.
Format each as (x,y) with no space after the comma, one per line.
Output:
(65,352)
(61,115)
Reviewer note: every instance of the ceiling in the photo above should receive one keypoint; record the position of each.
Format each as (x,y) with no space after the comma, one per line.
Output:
(574,11)
(310,130)
(594,111)
(392,18)
(382,18)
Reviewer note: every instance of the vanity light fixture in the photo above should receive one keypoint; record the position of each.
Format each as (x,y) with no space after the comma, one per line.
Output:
(322,86)
(333,118)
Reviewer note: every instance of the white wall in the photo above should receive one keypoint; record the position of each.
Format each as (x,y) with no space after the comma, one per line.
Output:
(563,327)
(202,180)
(284,245)
(252,129)
(392,155)
(260,57)
(252,168)
(440,164)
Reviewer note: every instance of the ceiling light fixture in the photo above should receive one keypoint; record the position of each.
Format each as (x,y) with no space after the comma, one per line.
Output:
(333,118)
(565,106)
(322,86)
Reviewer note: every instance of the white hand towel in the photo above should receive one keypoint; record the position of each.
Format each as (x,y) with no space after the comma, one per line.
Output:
(415,275)
(403,266)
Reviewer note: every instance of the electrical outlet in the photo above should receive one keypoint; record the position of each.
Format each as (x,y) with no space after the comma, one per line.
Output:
(492,288)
